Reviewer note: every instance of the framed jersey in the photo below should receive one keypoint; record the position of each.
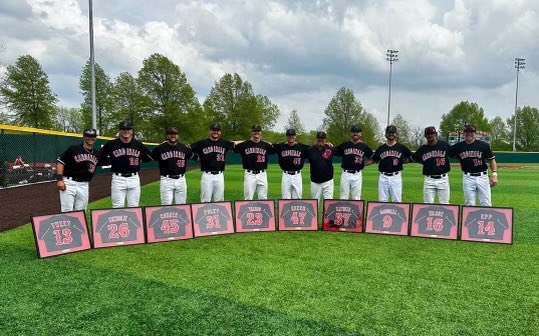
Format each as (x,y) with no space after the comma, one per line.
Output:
(60,234)
(435,221)
(252,216)
(117,227)
(298,214)
(167,223)
(488,225)
(343,215)
(387,218)
(212,218)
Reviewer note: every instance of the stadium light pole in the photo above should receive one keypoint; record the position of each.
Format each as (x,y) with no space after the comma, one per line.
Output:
(392,57)
(519,64)
(92,66)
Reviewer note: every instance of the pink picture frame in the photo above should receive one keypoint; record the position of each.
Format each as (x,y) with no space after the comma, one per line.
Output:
(387,218)
(254,215)
(298,215)
(117,227)
(435,221)
(487,225)
(343,215)
(211,219)
(168,223)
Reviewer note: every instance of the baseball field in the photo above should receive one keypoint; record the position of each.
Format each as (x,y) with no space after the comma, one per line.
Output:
(285,283)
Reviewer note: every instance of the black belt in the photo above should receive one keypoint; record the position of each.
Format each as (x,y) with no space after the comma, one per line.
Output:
(173,176)
(351,171)
(256,171)
(390,174)
(476,174)
(437,176)
(126,175)
(76,179)
(213,172)
(292,172)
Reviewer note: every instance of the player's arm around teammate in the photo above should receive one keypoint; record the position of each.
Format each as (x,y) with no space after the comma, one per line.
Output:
(320,157)
(291,156)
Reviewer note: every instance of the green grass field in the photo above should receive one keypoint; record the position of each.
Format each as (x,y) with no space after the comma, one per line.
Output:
(284,283)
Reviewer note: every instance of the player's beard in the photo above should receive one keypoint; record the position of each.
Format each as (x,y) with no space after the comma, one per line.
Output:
(172,140)
(214,136)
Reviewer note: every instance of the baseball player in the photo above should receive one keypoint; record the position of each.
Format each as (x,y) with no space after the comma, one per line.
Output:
(75,169)
(390,157)
(433,157)
(212,153)
(254,157)
(291,156)
(125,155)
(320,157)
(172,157)
(473,155)
(355,155)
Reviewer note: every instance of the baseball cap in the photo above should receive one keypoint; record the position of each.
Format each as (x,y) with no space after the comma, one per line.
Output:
(216,126)
(430,130)
(321,135)
(125,125)
(89,132)
(172,130)
(290,131)
(256,128)
(391,129)
(355,129)
(469,128)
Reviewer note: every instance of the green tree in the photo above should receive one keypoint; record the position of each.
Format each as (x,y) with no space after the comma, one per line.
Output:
(69,119)
(128,100)
(26,93)
(171,100)
(527,126)
(462,114)
(404,130)
(499,135)
(294,122)
(103,100)
(233,103)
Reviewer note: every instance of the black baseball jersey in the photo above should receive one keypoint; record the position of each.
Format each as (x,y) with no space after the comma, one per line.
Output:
(124,158)
(486,224)
(435,220)
(254,155)
(388,217)
(168,222)
(61,232)
(433,158)
(117,226)
(212,153)
(255,215)
(391,158)
(353,155)
(298,214)
(79,162)
(321,163)
(291,158)
(473,157)
(344,215)
(212,218)
(172,159)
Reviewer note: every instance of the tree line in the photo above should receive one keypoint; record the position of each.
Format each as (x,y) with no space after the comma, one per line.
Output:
(160,96)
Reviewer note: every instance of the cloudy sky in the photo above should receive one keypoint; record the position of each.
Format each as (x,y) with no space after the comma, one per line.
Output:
(298,53)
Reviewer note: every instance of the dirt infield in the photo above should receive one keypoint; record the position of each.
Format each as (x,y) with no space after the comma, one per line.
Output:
(19,204)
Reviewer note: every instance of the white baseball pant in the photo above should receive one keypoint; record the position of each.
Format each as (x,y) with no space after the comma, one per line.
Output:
(123,188)
(212,185)
(476,186)
(255,183)
(351,183)
(325,189)
(390,186)
(292,186)
(75,195)
(170,188)
(433,187)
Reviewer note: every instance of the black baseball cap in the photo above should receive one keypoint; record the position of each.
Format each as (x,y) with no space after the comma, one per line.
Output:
(125,125)
(355,129)
(391,129)
(172,130)
(290,131)
(469,128)
(89,132)
(256,128)
(321,135)
(216,126)
(430,130)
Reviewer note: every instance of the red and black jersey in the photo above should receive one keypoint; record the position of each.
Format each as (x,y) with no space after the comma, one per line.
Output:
(254,155)
(124,158)
(344,215)
(117,226)
(212,218)
(353,155)
(172,159)
(435,220)
(391,158)
(473,157)
(297,214)
(433,158)
(321,162)
(79,163)
(388,217)
(486,224)
(61,232)
(255,215)
(212,154)
(291,158)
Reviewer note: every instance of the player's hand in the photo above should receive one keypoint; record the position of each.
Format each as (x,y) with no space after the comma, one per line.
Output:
(61,185)
(493,181)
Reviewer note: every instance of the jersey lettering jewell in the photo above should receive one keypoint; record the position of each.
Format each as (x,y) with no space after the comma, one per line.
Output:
(168,222)
(435,220)
(298,214)
(388,218)
(117,226)
(486,224)
(61,232)
(255,215)
(212,218)
(344,215)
